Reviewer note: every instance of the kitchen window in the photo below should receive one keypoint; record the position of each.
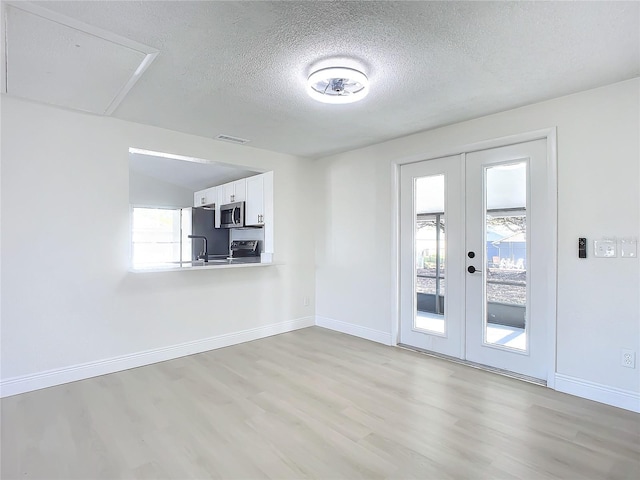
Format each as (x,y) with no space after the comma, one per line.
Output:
(155,239)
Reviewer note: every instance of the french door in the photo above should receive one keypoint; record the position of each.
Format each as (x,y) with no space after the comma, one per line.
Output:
(475,240)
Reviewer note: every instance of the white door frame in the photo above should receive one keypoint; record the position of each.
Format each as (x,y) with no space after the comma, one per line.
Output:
(550,310)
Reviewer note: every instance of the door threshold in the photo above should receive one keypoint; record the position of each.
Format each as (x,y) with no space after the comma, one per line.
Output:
(479,366)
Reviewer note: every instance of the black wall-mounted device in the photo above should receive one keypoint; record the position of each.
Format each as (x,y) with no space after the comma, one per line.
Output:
(582,247)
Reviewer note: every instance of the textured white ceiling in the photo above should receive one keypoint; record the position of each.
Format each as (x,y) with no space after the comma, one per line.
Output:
(239,68)
(57,60)
(194,175)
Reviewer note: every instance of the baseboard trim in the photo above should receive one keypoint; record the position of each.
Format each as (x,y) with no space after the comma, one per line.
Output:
(50,378)
(355,330)
(616,397)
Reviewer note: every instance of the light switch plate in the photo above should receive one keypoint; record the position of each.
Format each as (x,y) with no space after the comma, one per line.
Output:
(605,248)
(629,247)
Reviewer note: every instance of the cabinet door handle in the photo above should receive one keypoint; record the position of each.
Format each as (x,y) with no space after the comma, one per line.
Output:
(233,197)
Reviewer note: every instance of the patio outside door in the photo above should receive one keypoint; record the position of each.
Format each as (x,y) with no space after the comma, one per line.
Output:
(475,257)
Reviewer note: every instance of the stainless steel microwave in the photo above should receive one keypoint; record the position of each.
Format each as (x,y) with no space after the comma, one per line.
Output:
(232,215)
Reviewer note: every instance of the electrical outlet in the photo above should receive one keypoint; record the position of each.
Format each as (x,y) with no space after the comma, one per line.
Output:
(305,301)
(628,358)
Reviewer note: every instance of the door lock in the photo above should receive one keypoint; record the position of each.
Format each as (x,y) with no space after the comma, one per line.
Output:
(472,269)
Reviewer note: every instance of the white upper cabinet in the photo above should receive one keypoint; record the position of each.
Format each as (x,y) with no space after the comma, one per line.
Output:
(228,193)
(219,201)
(240,187)
(208,196)
(257,193)
(259,202)
(199,198)
(234,191)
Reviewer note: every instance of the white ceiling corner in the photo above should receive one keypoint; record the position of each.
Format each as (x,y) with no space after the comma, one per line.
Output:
(55,59)
(187,172)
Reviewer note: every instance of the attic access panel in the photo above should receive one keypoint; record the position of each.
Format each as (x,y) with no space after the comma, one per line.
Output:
(57,60)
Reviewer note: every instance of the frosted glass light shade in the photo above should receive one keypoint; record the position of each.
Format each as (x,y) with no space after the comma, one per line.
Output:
(338,85)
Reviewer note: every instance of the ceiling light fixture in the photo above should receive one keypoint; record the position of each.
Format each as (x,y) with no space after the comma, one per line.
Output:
(338,85)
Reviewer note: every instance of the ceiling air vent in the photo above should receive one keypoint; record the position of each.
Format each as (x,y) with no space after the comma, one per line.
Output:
(229,138)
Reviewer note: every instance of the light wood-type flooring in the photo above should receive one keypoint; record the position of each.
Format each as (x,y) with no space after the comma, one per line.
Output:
(313,404)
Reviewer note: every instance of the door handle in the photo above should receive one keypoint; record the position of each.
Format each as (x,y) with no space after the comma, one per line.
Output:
(472,269)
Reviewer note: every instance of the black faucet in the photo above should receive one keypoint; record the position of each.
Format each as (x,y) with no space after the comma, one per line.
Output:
(205,254)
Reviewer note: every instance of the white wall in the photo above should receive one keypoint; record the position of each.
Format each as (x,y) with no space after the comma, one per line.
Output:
(65,181)
(598,183)
(76,302)
(149,191)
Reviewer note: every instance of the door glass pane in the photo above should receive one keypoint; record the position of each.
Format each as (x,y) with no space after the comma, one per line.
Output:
(430,254)
(506,255)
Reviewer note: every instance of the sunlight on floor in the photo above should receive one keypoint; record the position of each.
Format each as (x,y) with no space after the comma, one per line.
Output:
(508,336)
(497,334)
(430,321)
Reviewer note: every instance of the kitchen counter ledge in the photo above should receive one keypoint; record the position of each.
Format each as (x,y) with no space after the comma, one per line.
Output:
(188,267)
